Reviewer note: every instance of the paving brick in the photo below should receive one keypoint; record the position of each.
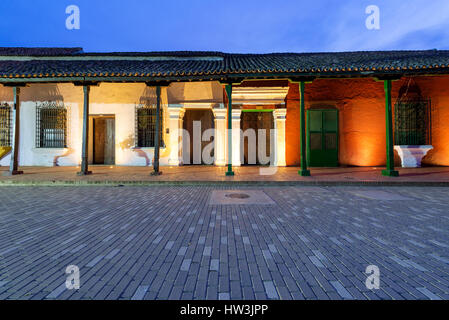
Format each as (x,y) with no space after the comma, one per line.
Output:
(140,293)
(307,245)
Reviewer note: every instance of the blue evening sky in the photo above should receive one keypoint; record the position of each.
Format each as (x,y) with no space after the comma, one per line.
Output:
(226,25)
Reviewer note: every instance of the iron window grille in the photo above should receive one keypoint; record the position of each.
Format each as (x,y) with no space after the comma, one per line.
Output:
(412,122)
(5,125)
(146,126)
(51,125)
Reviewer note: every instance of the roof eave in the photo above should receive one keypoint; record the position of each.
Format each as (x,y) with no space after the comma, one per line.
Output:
(225,77)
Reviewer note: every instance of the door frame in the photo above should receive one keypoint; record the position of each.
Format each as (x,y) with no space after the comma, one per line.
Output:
(272,147)
(322,140)
(92,118)
(186,110)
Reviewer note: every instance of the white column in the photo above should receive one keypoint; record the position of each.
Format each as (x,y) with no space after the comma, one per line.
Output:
(175,114)
(220,136)
(236,115)
(279,116)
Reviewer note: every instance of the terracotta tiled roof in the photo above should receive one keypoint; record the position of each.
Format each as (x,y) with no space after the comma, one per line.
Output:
(22,51)
(185,65)
(105,68)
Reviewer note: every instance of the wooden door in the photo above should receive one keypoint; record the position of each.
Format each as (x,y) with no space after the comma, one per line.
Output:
(196,122)
(256,121)
(104,140)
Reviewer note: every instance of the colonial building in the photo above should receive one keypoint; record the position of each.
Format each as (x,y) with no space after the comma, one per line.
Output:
(66,107)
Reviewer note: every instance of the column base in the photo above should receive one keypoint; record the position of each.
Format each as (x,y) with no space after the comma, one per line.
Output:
(220,163)
(12,173)
(156,173)
(82,173)
(174,163)
(390,173)
(304,173)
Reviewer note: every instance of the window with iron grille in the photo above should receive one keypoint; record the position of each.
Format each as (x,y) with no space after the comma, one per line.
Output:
(412,123)
(146,126)
(51,126)
(5,125)
(412,117)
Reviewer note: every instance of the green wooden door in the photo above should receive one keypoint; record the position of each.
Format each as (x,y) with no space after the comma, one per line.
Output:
(322,138)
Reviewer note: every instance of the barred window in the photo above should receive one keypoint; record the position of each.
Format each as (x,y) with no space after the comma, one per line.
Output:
(51,126)
(412,123)
(146,126)
(5,125)
(412,116)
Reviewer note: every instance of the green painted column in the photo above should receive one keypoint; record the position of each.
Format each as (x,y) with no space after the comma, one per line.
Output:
(157,138)
(228,89)
(302,127)
(85,148)
(14,163)
(389,171)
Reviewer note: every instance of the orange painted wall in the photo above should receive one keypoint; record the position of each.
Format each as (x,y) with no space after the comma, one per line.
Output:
(437,88)
(361,105)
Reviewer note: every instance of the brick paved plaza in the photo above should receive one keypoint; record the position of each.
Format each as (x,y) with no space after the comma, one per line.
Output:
(162,242)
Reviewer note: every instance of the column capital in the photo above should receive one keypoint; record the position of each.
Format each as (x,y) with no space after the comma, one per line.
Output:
(236,113)
(391,77)
(305,79)
(176,111)
(161,83)
(86,83)
(280,114)
(231,82)
(219,113)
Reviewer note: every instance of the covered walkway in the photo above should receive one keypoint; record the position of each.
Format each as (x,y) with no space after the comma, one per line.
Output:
(212,174)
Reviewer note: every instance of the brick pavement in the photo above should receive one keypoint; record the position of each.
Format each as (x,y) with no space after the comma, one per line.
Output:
(170,243)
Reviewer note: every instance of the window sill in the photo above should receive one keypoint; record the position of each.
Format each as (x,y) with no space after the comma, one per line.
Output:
(49,150)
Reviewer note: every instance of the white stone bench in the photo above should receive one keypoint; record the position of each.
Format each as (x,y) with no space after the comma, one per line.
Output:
(411,156)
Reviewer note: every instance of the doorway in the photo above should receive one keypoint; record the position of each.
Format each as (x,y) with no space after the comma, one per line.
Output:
(322,137)
(103,128)
(257,146)
(195,150)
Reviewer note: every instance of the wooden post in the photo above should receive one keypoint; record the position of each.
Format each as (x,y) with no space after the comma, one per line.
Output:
(389,132)
(14,162)
(85,151)
(157,138)
(302,127)
(228,88)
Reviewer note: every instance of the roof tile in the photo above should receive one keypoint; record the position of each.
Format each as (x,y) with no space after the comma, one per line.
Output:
(197,63)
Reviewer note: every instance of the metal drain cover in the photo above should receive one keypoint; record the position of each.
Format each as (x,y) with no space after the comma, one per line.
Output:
(237,195)
(249,197)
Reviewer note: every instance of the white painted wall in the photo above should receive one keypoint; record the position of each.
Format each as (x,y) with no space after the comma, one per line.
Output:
(118,100)
(126,95)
